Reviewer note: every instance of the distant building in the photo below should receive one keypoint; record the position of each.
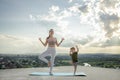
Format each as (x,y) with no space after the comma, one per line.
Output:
(87,65)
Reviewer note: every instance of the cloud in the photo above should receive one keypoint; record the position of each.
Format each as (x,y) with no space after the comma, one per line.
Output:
(101,12)
(54,8)
(109,16)
(77,40)
(70,1)
(32,17)
(114,41)
(55,19)
(74,8)
(102,15)
(8,37)
(83,8)
(109,3)
(93,24)
(13,44)
(110,23)
(111,42)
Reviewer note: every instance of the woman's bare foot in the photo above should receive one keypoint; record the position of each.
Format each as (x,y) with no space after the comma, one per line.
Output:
(50,73)
(49,64)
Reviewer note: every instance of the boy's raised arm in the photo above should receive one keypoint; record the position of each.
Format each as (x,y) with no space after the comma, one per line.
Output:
(70,53)
(77,48)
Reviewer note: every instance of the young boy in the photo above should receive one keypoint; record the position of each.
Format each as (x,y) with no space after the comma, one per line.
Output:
(74,56)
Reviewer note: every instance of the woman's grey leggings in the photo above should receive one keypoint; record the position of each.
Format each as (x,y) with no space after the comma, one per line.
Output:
(49,52)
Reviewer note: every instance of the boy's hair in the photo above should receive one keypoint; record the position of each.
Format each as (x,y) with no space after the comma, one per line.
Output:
(72,48)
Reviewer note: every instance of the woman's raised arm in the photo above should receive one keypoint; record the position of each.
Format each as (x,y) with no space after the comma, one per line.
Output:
(44,44)
(58,44)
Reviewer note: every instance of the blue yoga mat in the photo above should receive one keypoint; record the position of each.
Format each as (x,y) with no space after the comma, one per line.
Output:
(57,74)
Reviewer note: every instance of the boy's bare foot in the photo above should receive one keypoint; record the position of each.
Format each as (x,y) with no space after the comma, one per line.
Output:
(49,64)
(74,73)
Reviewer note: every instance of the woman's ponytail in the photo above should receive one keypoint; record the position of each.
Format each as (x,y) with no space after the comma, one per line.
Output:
(49,34)
(48,37)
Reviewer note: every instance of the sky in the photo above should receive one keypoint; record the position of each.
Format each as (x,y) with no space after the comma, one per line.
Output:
(93,25)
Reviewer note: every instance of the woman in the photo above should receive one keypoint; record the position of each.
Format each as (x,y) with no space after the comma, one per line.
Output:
(51,41)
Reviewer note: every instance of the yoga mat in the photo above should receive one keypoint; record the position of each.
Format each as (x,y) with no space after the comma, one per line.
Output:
(57,74)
